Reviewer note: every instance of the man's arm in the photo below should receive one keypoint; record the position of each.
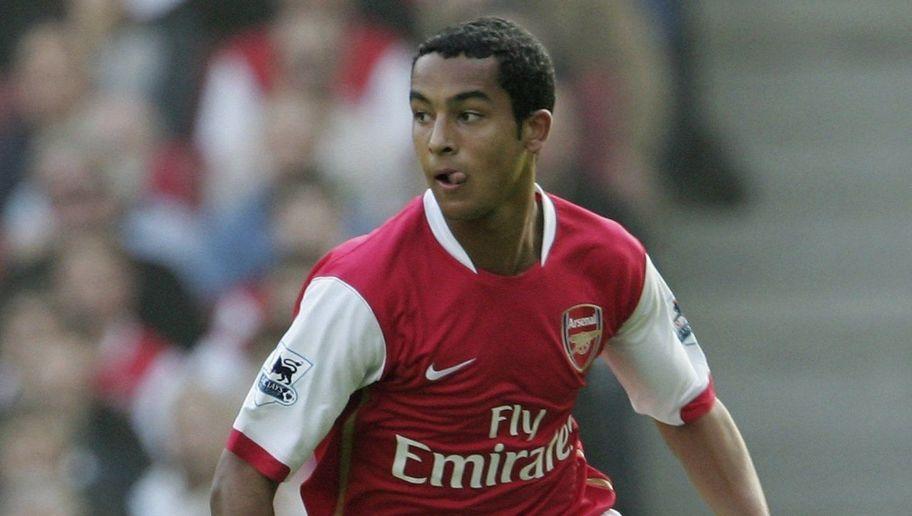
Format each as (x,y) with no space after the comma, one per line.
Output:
(300,391)
(717,461)
(240,489)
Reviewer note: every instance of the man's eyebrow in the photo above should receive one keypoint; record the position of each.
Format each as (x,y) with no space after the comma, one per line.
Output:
(459,97)
(466,95)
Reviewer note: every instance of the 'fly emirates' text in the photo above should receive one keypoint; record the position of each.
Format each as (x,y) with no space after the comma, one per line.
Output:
(498,466)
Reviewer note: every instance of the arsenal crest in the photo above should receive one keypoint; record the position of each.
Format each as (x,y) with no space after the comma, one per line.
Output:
(581,330)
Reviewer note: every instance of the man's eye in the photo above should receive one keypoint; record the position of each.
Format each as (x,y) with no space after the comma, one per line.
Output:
(421,116)
(469,116)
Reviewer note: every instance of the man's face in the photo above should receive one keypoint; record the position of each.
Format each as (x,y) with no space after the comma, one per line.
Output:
(465,136)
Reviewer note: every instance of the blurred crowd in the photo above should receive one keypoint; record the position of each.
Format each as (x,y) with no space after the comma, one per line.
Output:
(171,169)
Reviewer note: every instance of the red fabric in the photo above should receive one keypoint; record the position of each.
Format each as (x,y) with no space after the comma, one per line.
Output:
(601,123)
(320,493)
(256,456)
(122,371)
(598,493)
(257,49)
(700,405)
(519,371)
(176,172)
(368,43)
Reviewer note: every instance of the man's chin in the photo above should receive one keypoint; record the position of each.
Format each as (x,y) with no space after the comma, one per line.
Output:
(458,210)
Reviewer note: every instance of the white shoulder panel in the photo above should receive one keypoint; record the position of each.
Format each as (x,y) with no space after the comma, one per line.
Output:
(655,355)
(333,348)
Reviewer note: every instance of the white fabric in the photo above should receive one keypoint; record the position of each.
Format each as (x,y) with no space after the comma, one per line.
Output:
(229,133)
(549,221)
(338,334)
(660,373)
(442,232)
(448,241)
(366,143)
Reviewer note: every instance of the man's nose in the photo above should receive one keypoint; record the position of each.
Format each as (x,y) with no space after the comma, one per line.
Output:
(440,140)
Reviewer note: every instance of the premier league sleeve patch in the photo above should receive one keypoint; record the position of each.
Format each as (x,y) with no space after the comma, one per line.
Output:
(682,326)
(278,376)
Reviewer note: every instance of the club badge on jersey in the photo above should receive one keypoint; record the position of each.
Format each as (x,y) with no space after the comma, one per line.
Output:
(581,329)
(278,375)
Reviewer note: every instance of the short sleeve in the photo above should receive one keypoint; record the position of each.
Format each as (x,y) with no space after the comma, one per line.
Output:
(334,347)
(657,359)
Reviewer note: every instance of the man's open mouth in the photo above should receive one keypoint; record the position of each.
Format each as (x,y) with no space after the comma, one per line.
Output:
(451,177)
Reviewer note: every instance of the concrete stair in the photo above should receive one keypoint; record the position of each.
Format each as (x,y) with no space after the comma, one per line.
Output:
(803,302)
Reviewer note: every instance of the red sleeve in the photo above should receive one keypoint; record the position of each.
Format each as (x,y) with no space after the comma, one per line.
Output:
(700,405)
(256,456)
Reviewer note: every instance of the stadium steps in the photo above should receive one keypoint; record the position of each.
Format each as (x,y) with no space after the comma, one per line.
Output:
(803,301)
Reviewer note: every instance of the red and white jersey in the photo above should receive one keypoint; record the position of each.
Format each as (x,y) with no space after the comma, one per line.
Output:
(420,384)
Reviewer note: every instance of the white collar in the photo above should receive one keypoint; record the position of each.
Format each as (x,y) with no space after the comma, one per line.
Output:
(448,241)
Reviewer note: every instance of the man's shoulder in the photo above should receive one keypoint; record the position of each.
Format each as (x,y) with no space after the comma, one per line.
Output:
(604,251)
(579,228)
(376,254)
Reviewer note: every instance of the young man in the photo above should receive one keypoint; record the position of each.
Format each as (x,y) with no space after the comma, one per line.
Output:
(432,365)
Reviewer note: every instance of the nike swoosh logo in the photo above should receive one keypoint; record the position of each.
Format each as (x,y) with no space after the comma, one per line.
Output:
(434,375)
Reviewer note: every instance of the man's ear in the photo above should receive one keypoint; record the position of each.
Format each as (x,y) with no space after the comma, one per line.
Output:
(535,130)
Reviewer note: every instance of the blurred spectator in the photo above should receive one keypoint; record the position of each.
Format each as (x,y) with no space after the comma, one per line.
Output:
(97,291)
(16,17)
(63,194)
(368,148)
(123,136)
(46,85)
(157,49)
(245,241)
(48,76)
(205,394)
(296,53)
(305,220)
(36,460)
(179,482)
(45,363)
(68,195)
(700,167)
(293,123)
(354,66)
(55,435)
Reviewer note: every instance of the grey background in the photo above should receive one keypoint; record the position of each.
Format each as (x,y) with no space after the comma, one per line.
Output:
(803,302)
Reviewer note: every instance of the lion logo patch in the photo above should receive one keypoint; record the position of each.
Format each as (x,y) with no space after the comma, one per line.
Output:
(278,375)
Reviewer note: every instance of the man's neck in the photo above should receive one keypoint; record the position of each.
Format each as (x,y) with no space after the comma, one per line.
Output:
(506,242)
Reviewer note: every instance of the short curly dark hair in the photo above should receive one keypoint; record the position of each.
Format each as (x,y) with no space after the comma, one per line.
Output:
(526,70)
